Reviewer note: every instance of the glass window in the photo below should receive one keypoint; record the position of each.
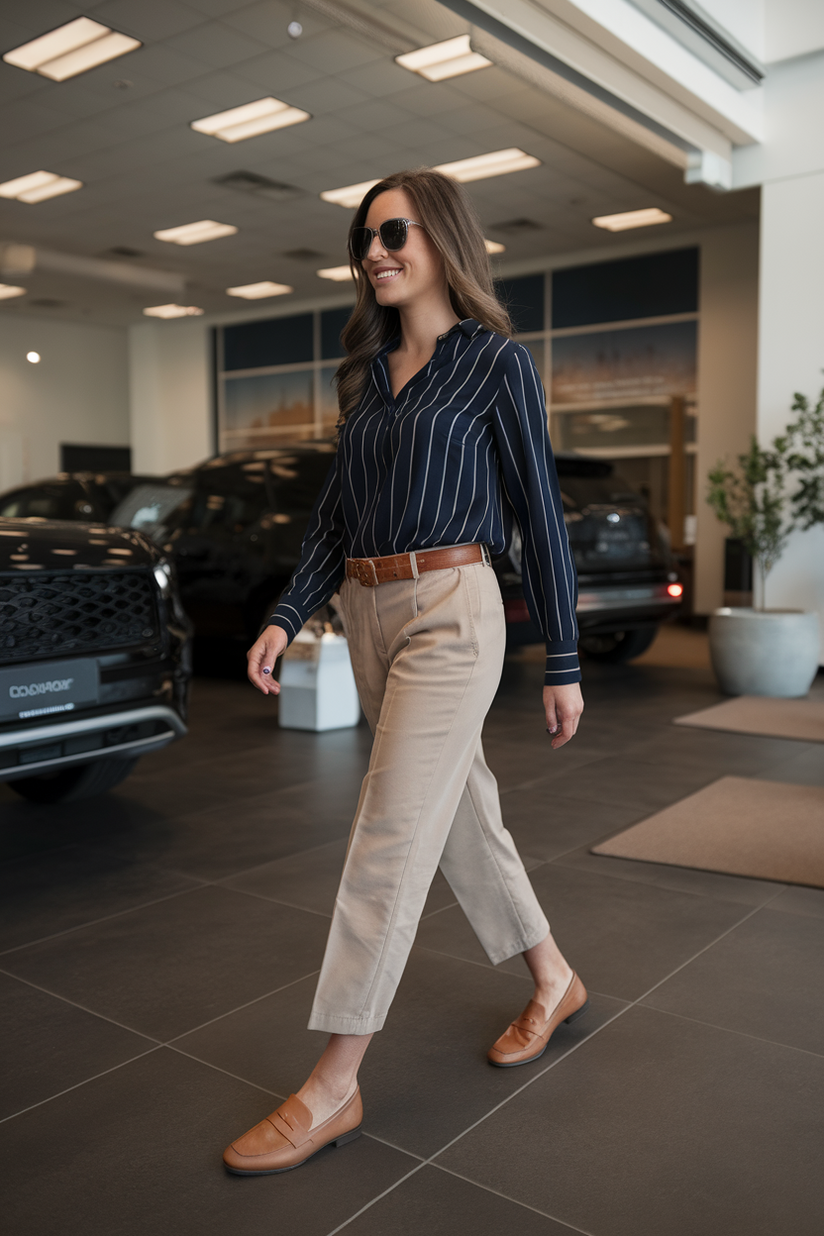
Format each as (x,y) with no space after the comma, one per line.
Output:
(57,501)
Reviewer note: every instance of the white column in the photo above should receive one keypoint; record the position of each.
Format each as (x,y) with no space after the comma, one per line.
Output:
(791,354)
(170,399)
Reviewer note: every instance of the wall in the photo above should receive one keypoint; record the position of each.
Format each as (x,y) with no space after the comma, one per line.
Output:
(727,355)
(78,393)
(791,355)
(170,376)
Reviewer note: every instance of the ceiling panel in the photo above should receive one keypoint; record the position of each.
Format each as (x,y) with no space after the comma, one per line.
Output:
(145,169)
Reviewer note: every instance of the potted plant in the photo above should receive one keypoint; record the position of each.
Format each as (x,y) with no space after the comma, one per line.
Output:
(771,492)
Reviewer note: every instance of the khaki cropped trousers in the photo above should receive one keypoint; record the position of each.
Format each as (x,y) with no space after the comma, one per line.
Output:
(427,656)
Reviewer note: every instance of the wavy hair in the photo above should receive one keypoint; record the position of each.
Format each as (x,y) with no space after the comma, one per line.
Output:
(446,211)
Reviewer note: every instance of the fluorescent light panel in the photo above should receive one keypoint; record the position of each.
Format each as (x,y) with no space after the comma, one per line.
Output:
(492,246)
(259,291)
(173,311)
(80,45)
(38,186)
(632,218)
(338,274)
(195,233)
(496,163)
(238,123)
(441,60)
(8,291)
(478,167)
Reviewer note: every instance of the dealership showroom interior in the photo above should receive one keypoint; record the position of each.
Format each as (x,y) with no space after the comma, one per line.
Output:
(342,341)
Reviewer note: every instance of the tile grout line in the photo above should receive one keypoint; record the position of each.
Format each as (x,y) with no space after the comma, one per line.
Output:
(106,918)
(75,1004)
(496,1192)
(85,1081)
(756,1038)
(240,1007)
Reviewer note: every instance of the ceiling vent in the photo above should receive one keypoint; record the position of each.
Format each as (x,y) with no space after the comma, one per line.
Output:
(47,302)
(514,227)
(261,186)
(125,251)
(303,255)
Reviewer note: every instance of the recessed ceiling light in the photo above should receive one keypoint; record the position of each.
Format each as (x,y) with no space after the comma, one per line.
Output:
(632,218)
(173,311)
(496,163)
(8,291)
(195,233)
(33,358)
(349,195)
(259,291)
(338,274)
(493,246)
(38,186)
(249,120)
(478,167)
(447,59)
(80,45)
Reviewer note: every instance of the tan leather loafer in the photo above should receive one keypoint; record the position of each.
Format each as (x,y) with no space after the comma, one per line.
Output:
(528,1037)
(286,1139)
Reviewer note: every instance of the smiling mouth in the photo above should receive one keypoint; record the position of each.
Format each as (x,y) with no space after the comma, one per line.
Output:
(388,274)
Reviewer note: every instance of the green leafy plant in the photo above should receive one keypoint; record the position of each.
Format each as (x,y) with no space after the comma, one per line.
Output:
(755,499)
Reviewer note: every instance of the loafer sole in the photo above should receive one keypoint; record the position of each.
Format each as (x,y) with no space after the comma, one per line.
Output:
(341,1140)
(514,1064)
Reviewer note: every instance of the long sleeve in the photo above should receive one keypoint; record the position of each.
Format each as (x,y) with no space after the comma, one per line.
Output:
(322,560)
(531,486)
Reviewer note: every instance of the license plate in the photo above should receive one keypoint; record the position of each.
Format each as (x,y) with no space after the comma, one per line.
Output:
(47,690)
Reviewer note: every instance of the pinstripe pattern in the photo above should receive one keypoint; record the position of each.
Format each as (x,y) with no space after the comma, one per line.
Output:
(462,450)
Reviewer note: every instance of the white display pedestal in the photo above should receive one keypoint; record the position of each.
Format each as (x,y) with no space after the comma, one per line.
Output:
(317,686)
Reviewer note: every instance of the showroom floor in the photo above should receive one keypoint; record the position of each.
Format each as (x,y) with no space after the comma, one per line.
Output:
(160,952)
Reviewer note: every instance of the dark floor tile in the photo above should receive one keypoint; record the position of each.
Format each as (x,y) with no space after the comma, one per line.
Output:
(520,761)
(547,826)
(765,978)
(223,840)
(49,1045)
(740,889)
(445,1017)
(138,1151)
(633,782)
(621,936)
(308,879)
(61,889)
(743,755)
(438,1203)
(659,1125)
(803,768)
(32,829)
(168,967)
(795,900)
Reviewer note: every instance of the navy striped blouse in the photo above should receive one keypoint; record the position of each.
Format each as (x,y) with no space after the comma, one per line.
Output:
(462,449)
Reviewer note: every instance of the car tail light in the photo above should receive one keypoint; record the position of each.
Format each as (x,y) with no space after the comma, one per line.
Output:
(675,590)
(516,610)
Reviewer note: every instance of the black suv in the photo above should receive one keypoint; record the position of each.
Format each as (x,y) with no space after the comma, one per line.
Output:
(89,497)
(94,656)
(627,582)
(235,524)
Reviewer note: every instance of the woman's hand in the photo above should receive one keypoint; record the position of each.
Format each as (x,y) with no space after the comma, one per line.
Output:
(563,707)
(261,659)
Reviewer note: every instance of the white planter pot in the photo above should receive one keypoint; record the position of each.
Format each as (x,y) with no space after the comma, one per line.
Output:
(764,652)
(317,686)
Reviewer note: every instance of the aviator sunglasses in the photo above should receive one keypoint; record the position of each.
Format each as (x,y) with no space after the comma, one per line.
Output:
(394,234)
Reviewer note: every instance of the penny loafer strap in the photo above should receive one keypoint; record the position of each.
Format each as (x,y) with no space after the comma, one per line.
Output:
(287,1120)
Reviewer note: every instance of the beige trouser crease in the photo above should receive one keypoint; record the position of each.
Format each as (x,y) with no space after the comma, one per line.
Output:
(427,656)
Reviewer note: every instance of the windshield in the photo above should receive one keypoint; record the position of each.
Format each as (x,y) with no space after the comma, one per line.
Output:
(149,507)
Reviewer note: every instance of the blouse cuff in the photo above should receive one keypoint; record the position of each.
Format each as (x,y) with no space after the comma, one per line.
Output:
(562,665)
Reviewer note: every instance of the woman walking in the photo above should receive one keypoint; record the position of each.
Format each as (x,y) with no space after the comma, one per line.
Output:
(443,441)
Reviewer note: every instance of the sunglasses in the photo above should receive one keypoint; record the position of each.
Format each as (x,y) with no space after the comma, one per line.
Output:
(393,233)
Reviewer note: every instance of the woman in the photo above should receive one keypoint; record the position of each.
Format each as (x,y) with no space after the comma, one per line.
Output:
(443,439)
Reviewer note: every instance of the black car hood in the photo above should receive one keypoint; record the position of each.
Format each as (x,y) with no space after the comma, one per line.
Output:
(46,544)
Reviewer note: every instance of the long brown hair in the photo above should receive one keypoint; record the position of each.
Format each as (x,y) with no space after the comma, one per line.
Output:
(446,211)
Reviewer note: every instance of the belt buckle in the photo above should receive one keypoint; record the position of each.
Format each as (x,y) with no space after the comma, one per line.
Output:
(366,572)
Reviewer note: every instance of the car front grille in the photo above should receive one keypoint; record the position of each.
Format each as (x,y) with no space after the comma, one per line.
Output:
(57,612)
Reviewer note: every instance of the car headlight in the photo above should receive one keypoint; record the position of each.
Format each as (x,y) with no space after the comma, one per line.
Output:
(164,576)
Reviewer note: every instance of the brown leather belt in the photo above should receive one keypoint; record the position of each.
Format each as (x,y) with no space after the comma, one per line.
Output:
(373,571)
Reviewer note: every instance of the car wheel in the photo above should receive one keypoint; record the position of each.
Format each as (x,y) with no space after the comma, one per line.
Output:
(78,781)
(618,645)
